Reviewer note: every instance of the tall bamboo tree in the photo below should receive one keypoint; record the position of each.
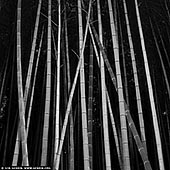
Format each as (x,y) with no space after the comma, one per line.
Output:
(103,91)
(131,124)
(167,9)
(160,57)
(33,85)
(131,148)
(118,148)
(150,89)
(22,132)
(163,45)
(135,75)
(82,92)
(29,73)
(9,111)
(58,82)
(125,154)
(28,80)
(90,107)
(57,161)
(71,128)
(48,92)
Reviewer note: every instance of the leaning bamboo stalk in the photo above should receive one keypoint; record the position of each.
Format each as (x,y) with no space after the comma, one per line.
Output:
(103,91)
(57,161)
(167,9)
(58,83)
(131,124)
(109,106)
(9,111)
(160,57)
(125,148)
(150,89)
(71,128)
(163,44)
(114,130)
(135,75)
(29,73)
(90,107)
(48,92)
(20,91)
(131,146)
(82,93)
(3,79)
(33,85)
(28,80)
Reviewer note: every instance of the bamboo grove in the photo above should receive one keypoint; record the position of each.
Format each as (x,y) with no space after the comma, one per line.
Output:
(84,84)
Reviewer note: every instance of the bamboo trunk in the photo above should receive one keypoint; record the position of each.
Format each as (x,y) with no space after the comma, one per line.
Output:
(125,152)
(71,128)
(137,89)
(103,91)
(151,97)
(160,57)
(22,132)
(90,107)
(28,80)
(58,83)
(9,113)
(29,73)
(118,148)
(131,124)
(82,92)
(33,86)
(48,92)
(57,161)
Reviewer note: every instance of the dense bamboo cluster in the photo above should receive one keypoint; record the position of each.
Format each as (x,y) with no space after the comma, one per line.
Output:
(90,90)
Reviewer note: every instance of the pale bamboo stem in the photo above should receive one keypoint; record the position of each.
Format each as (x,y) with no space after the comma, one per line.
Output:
(33,86)
(20,91)
(150,89)
(82,92)
(57,161)
(125,148)
(58,83)
(48,92)
(103,90)
(137,89)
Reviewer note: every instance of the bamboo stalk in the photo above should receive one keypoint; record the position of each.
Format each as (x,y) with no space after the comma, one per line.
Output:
(125,154)
(71,129)
(131,124)
(135,75)
(28,80)
(20,90)
(131,148)
(29,73)
(34,80)
(160,57)
(163,44)
(114,130)
(57,161)
(109,106)
(48,92)
(167,9)
(90,107)
(82,93)
(103,91)
(151,97)
(57,126)
(9,111)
